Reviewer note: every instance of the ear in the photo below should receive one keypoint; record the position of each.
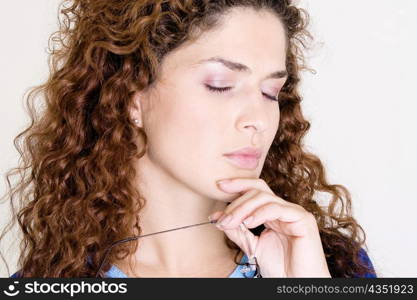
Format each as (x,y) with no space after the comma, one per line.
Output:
(136,110)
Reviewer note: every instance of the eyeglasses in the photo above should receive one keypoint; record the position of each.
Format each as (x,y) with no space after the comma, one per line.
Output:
(251,265)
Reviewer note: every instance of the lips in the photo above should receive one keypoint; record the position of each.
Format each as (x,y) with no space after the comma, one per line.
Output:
(248,151)
(246,158)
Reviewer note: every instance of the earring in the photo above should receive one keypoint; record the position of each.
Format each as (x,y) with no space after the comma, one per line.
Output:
(136,121)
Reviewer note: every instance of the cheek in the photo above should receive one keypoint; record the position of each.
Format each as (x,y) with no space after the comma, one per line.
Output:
(188,125)
(191,138)
(197,124)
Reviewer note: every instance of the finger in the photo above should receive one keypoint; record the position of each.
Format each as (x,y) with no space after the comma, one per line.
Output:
(248,196)
(241,236)
(292,220)
(245,239)
(240,185)
(242,198)
(272,260)
(250,240)
(249,187)
(215,216)
(241,210)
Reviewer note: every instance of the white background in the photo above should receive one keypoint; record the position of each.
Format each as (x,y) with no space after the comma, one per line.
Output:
(361,103)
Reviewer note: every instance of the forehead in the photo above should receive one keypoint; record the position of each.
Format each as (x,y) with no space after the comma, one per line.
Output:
(256,38)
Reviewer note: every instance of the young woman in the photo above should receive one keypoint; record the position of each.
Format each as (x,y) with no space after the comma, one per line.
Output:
(149,105)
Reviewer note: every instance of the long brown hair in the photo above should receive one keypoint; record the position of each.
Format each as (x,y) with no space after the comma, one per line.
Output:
(76,194)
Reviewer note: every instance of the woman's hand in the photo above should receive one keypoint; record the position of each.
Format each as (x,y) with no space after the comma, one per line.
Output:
(290,245)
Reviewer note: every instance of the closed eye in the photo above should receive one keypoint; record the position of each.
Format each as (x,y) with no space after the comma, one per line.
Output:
(226,88)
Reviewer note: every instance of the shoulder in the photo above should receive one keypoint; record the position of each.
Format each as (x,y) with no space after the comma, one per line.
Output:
(363,256)
(16,275)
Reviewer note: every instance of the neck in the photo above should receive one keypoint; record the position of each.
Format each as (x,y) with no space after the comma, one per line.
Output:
(186,251)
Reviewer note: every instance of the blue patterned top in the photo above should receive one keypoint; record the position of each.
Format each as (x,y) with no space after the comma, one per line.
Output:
(241,271)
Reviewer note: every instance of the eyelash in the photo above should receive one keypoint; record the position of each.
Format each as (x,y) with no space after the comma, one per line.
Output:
(225,89)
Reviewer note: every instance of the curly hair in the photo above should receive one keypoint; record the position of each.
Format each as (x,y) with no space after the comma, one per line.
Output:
(76,194)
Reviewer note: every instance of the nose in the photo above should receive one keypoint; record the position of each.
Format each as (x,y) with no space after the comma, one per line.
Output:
(254,116)
(254,125)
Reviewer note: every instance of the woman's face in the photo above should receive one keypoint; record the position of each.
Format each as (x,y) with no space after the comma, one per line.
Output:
(190,127)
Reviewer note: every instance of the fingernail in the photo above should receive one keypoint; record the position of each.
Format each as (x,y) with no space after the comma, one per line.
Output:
(248,220)
(212,219)
(224,181)
(225,220)
(222,217)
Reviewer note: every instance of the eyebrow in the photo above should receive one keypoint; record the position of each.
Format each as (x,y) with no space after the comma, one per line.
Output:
(235,66)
